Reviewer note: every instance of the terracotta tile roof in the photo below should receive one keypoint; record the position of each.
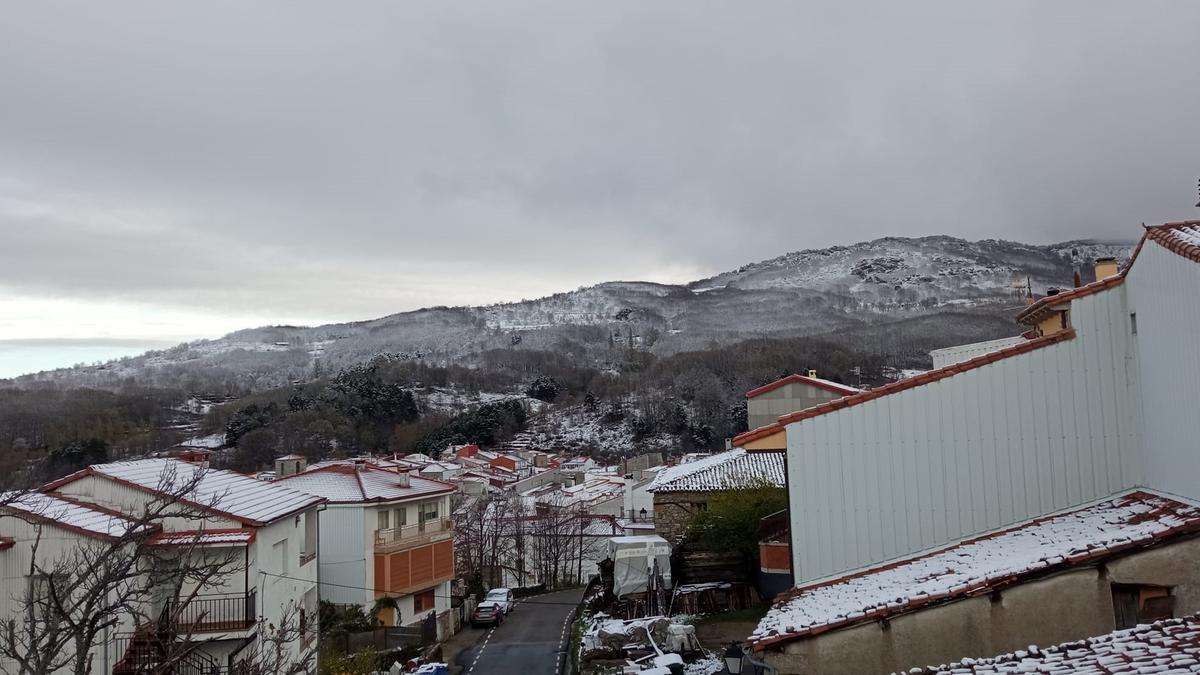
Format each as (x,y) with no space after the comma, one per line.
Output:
(827,385)
(901,385)
(1167,647)
(348,483)
(1031,314)
(238,497)
(211,537)
(980,565)
(723,471)
(71,514)
(1182,238)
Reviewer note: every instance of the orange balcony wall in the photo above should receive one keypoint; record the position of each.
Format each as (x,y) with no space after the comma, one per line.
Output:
(414,569)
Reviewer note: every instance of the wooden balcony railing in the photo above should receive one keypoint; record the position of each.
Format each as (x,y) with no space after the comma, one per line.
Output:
(410,536)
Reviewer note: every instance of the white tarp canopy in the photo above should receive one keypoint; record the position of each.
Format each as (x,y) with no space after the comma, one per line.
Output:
(633,560)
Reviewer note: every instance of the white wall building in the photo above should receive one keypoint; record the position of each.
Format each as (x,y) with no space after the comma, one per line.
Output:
(268,532)
(386,534)
(1100,399)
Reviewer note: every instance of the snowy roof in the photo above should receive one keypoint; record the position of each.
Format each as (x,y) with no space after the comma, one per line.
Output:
(1170,646)
(69,514)
(226,492)
(722,471)
(827,385)
(351,484)
(1182,238)
(978,565)
(231,537)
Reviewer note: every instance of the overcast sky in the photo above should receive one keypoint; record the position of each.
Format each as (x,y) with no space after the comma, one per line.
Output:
(179,170)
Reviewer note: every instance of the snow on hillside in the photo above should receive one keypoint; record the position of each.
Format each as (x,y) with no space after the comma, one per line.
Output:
(835,290)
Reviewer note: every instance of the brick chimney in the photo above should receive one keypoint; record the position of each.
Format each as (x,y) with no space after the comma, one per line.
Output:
(1105,268)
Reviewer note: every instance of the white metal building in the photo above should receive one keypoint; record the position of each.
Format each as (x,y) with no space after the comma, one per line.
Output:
(1100,399)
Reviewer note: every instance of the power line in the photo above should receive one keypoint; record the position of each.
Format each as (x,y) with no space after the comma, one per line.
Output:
(447,597)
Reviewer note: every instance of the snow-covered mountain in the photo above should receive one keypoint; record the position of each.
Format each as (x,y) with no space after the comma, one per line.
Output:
(841,290)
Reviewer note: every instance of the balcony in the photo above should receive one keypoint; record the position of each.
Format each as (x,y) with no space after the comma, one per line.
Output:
(211,613)
(411,536)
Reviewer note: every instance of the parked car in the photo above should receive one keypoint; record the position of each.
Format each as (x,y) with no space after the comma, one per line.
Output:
(487,614)
(502,597)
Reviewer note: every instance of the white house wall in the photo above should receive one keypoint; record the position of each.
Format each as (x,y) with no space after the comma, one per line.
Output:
(1164,292)
(346,550)
(984,448)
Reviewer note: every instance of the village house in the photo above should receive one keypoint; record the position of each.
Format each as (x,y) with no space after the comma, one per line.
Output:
(683,490)
(387,535)
(264,535)
(1096,403)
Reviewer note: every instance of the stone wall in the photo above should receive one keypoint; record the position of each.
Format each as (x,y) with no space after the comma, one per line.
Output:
(673,511)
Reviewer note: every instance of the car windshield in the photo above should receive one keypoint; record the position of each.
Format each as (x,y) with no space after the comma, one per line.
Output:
(500,595)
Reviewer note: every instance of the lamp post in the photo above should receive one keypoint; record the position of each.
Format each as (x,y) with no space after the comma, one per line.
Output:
(643,512)
(733,658)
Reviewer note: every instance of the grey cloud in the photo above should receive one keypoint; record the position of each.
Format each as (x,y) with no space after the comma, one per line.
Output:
(351,160)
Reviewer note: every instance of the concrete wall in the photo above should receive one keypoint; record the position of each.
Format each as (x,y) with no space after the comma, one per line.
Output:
(1164,292)
(766,408)
(1069,606)
(1016,439)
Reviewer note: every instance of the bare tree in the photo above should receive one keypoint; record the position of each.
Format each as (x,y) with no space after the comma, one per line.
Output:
(75,600)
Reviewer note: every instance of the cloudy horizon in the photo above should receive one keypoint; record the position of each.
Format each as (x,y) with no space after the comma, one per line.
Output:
(178,171)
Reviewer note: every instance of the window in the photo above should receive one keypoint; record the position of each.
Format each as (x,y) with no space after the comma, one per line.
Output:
(1134,604)
(429,511)
(424,601)
(383,519)
(1133,323)
(401,517)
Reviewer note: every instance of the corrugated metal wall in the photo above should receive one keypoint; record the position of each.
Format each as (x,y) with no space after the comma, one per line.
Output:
(343,557)
(1011,440)
(1164,291)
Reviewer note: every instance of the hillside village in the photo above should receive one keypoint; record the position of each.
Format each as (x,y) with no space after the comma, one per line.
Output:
(1036,490)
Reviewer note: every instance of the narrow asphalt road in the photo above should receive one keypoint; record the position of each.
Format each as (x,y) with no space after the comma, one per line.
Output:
(531,641)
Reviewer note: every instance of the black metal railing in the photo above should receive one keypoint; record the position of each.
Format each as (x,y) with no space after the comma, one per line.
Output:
(211,613)
(148,652)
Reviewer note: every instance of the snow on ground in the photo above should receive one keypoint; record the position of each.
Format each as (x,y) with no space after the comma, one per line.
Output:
(213,441)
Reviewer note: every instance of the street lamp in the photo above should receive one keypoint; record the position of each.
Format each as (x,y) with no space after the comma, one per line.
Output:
(643,512)
(733,658)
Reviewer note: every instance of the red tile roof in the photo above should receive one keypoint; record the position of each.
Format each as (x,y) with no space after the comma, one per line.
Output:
(1182,238)
(1034,548)
(833,387)
(1029,314)
(1168,646)
(901,385)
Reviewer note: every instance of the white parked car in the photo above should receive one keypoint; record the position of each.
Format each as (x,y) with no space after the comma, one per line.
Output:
(502,597)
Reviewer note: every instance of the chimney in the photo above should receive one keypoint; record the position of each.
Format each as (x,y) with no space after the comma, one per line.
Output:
(289,465)
(812,373)
(1105,268)
(1051,292)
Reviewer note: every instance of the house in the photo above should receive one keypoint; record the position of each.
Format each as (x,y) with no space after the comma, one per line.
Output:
(683,490)
(1115,564)
(795,392)
(386,535)
(1096,402)
(264,535)
(1169,646)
